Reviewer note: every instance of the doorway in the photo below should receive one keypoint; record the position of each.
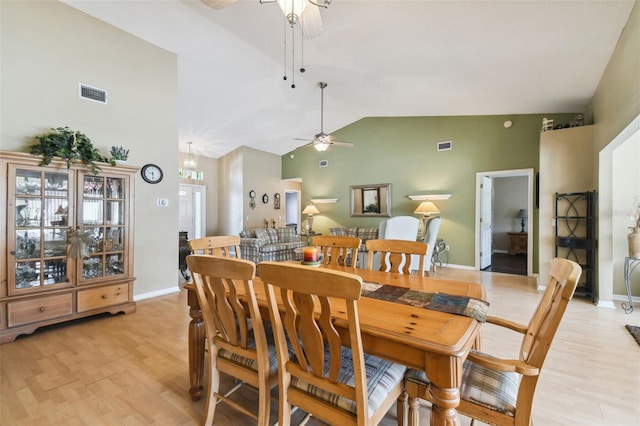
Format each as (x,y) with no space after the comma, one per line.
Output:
(292,209)
(192,210)
(486,206)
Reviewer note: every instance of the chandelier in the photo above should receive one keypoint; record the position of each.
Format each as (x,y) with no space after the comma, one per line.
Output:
(294,11)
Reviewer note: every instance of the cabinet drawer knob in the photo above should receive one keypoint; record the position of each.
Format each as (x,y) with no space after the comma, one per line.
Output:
(104,296)
(42,309)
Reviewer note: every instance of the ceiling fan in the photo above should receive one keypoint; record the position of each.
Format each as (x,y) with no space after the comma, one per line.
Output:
(294,11)
(322,141)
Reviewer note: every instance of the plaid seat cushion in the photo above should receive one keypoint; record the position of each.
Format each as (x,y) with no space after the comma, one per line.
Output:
(496,390)
(251,343)
(337,231)
(382,376)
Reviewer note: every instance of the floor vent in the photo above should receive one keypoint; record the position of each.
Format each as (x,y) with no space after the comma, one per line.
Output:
(93,94)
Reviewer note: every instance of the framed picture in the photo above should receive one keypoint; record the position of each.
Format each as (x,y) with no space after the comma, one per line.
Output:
(276,201)
(371,200)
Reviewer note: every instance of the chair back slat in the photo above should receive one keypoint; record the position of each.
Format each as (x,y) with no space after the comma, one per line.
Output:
(395,255)
(219,245)
(338,250)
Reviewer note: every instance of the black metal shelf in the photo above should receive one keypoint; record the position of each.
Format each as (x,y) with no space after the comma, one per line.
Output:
(575,224)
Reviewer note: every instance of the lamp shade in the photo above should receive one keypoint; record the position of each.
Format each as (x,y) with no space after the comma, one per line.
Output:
(522,214)
(310,210)
(427,208)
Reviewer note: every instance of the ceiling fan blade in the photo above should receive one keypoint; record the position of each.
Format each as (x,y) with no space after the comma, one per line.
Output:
(217,4)
(341,143)
(312,22)
(300,139)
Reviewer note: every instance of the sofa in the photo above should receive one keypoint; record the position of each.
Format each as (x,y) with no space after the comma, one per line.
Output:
(273,244)
(364,234)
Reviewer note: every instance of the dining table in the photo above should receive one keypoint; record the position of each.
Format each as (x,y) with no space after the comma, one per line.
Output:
(433,341)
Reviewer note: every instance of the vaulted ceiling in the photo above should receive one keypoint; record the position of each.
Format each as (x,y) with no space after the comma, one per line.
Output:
(379,58)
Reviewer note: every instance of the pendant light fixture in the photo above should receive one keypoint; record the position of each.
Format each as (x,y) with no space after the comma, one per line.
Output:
(189,163)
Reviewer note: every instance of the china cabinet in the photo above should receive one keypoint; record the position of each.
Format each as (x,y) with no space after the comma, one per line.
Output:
(69,246)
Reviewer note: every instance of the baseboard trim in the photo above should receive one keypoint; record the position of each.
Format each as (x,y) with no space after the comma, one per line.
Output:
(156,293)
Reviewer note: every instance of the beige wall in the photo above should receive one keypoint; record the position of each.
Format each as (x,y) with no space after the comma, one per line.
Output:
(615,109)
(566,165)
(49,48)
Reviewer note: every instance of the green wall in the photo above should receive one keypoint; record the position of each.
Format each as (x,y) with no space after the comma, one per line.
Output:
(402,151)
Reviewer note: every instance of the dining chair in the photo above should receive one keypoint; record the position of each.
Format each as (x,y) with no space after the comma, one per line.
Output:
(338,250)
(395,255)
(336,384)
(236,338)
(500,391)
(219,245)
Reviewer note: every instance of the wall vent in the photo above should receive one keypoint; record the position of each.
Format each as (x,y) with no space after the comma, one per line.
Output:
(445,145)
(324,163)
(93,94)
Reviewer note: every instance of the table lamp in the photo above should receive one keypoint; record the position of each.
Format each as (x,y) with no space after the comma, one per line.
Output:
(522,215)
(310,210)
(427,209)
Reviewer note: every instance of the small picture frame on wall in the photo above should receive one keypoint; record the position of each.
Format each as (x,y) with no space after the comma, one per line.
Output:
(276,201)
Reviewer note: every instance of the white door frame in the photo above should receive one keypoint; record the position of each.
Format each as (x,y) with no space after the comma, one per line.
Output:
(501,174)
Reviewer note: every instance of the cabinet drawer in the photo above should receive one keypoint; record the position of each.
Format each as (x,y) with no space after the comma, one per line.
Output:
(39,309)
(102,296)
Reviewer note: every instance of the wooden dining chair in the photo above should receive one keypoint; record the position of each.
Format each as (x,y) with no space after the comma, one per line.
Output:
(338,250)
(395,255)
(500,391)
(219,245)
(236,338)
(338,385)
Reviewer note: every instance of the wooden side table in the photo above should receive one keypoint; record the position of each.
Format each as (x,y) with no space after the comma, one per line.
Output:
(518,242)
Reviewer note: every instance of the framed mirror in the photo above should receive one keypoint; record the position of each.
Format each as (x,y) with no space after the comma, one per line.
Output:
(371,200)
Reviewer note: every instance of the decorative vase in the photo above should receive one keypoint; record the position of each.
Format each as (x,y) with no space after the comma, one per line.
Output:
(634,242)
(120,161)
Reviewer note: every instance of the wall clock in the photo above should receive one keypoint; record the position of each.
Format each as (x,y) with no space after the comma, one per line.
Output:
(151,173)
(276,201)
(265,198)
(252,199)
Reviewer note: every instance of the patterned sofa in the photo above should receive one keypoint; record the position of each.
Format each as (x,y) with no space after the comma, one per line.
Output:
(361,232)
(274,244)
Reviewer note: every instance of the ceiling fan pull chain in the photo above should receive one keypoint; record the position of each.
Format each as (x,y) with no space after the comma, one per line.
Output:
(284,42)
(293,57)
(302,69)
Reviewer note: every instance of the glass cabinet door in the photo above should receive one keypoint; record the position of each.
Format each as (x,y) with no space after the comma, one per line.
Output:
(38,224)
(102,226)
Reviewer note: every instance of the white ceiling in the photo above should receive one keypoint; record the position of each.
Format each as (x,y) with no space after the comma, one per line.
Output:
(379,58)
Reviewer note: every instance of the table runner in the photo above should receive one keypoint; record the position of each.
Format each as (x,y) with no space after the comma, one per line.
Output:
(460,305)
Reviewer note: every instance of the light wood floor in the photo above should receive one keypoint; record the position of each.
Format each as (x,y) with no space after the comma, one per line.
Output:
(132,369)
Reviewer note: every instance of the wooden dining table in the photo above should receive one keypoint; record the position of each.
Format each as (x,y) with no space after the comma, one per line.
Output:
(432,341)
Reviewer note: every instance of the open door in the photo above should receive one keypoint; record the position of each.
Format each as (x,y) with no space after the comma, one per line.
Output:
(486,191)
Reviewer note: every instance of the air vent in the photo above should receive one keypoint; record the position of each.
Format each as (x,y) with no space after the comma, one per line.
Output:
(93,94)
(445,145)
(324,163)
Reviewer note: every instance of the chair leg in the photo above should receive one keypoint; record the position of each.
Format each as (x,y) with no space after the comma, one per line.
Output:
(414,411)
(401,410)
(212,400)
(264,405)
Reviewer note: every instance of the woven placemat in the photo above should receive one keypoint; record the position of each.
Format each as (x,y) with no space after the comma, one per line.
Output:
(635,332)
